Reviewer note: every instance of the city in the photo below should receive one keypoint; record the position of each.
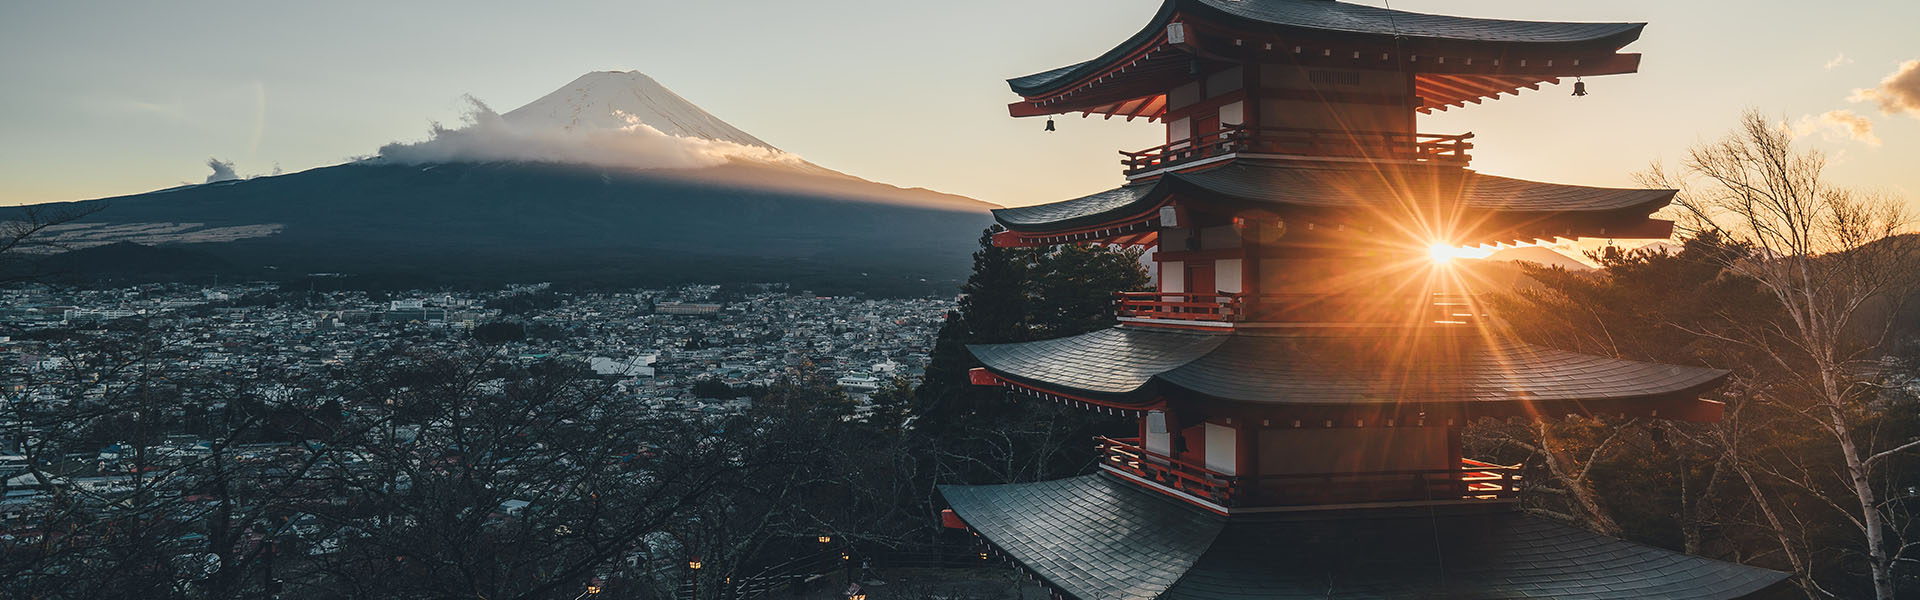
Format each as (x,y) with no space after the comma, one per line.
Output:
(848,300)
(692,353)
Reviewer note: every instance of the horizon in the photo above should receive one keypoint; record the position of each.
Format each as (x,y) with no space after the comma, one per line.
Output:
(391,301)
(236,85)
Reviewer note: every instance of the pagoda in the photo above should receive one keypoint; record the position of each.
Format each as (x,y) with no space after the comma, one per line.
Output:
(1301,374)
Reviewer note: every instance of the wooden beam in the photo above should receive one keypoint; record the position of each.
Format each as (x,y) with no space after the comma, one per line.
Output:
(1132,108)
(1454,90)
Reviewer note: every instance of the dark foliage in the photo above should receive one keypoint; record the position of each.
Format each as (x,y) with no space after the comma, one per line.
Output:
(499,332)
(1704,488)
(980,435)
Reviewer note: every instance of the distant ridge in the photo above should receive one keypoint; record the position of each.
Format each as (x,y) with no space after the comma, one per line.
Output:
(1541,256)
(738,218)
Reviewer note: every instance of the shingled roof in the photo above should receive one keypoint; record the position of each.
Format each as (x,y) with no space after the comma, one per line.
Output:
(1097,537)
(1132,365)
(1319,18)
(1282,186)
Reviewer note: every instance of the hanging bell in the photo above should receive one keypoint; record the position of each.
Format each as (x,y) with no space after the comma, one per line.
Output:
(1050,124)
(1579,87)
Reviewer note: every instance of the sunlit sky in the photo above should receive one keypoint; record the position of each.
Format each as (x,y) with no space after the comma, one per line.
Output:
(100,99)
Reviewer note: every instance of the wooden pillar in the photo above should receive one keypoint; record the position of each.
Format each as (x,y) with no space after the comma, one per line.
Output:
(1247,435)
(1250,263)
(1250,86)
(1454,450)
(1413,90)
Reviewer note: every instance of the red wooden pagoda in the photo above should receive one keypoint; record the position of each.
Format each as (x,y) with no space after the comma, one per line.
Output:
(1302,373)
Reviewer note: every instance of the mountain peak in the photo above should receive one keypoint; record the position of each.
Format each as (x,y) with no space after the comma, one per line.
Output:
(607,100)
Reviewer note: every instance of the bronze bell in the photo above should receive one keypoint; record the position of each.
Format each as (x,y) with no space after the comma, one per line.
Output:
(1050,124)
(1579,88)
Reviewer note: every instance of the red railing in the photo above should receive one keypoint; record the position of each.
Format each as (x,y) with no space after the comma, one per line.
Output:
(1127,456)
(1185,307)
(1328,143)
(1474,480)
(1224,307)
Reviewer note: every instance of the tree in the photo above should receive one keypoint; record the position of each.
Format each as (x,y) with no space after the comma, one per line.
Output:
(1073,288)
(977,434)
(499,332)
(29,233)
(1838,267)
(1642,305)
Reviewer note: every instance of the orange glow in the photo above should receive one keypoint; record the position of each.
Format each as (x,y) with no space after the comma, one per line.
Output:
(1442,253)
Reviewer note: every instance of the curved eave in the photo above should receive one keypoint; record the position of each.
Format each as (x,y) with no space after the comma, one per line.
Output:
(1362,25)
(1126,208)
(1488,208)
(1313,377)
(1344,20)
(1049,81)
(1114,364)
(1097,537)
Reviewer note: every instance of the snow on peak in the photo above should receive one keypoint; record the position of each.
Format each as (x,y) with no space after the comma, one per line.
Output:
(614,100)
(607,118)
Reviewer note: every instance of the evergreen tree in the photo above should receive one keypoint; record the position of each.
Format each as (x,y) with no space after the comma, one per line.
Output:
(993,302)
(1074,285)
(1017,295)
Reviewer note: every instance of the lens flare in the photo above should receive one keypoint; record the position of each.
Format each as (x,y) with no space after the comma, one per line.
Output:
(1442,253)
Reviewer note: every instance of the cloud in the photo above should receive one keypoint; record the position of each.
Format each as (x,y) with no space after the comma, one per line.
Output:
(1838,61)
(1898,93)
(222,170)
(485,137)
(1842,122)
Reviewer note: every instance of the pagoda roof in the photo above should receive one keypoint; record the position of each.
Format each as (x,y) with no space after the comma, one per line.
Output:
(1455,61)
(1317,19)
(1132,366)
(1098,537)
(1282,186)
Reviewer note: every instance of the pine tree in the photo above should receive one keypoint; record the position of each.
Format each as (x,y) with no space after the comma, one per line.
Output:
(1074,286)
(993,302)
(1018,295)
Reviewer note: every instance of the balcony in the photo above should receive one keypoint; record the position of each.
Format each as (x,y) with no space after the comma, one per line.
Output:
(1214,308)
(1228,309)
(1310,143)
(1473,481)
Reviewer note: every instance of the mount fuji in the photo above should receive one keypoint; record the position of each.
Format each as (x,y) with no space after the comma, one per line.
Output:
(617,99)
(611,179)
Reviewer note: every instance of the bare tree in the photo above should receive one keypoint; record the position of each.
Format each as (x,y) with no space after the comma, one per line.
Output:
(1837,264)
(29,232)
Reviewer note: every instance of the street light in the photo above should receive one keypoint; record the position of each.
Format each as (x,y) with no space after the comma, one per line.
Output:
(593,587)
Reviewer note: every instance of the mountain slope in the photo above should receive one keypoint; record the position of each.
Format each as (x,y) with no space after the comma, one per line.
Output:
(604,100)
(1542,256)
(760,215)
(509,221)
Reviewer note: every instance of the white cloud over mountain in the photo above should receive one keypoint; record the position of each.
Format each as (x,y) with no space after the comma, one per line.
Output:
(606,119)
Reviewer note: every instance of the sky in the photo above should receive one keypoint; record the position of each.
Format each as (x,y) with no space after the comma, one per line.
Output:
(108,98)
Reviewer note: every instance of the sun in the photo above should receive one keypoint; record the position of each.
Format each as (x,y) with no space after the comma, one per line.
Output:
(1441,253)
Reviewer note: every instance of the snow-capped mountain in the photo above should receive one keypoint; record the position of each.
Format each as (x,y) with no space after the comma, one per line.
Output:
(612,100)
(569,187)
